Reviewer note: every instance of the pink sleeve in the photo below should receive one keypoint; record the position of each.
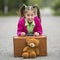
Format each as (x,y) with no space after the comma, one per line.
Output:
(39,26)
(19,27)
(36,17)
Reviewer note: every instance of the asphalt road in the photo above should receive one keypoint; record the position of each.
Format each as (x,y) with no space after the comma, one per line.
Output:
(51,28)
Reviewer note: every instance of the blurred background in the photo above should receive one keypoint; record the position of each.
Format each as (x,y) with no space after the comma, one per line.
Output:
(50,16)
(11,7)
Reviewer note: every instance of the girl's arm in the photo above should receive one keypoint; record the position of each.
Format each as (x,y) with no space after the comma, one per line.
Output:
(19,28)
(39,28)
(38,25)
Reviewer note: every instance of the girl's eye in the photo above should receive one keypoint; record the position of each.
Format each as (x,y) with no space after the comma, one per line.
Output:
(28,15)
(31,14)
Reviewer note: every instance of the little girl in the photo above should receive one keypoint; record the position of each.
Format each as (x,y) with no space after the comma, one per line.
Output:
(29,22)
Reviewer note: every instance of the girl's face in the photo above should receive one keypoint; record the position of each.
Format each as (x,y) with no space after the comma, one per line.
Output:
(29,15)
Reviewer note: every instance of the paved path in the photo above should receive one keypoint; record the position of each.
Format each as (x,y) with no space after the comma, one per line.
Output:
(51,27)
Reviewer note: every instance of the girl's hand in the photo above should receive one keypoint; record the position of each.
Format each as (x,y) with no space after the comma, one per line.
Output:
(36,34)
(23,34)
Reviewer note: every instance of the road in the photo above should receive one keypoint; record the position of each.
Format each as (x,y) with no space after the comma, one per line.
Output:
(51,28)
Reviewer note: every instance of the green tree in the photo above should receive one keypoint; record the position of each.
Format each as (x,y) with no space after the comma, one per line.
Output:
(15,4)
(1,4)
(56,5)
(32,2)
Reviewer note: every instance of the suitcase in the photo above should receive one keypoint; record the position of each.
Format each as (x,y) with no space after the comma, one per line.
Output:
(19,43)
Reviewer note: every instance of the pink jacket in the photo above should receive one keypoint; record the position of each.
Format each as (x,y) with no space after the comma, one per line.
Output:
(22,28)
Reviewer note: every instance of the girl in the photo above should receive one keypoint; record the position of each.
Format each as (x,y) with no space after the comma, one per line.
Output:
(29,22)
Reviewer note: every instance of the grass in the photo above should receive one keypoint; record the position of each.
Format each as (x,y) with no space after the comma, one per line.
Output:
(10,13)
(15,13)
(56,12)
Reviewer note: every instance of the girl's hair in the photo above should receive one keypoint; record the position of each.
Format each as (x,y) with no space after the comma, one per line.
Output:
(25,8)
(38,10)
(21,10)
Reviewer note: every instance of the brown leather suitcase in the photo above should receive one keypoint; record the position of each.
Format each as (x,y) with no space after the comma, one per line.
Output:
(19,43)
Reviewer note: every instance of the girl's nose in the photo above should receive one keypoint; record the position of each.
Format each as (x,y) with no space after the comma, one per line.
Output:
(29,16)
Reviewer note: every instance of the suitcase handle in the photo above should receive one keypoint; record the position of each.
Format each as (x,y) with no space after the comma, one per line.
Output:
(29,34)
